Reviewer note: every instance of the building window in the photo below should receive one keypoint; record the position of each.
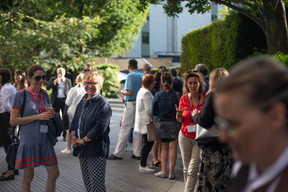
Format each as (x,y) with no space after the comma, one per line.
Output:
(145,37)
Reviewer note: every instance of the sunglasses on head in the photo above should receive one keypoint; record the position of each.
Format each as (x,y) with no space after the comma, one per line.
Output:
(38,78)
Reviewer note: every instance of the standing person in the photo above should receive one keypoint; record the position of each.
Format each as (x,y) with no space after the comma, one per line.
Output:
(190,152)
(7,94)
(164,108)
(131,87)
(20,80)
(177,82)
(162,69)
(147,68)
(215,170)
(74,96)
(202,68)
(60,86)
(252,109)
(87,68)
(90,132)
(35,148)
(143,117)
(156,149)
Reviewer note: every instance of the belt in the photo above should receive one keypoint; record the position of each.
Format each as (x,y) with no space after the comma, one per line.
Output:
(130,100)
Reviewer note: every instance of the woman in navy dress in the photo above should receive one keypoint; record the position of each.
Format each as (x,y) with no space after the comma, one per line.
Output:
(35,148)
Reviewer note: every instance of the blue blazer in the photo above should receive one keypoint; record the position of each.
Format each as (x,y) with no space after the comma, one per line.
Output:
(92,117)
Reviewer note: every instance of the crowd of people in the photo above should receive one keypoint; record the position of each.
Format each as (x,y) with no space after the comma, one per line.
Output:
(248,105)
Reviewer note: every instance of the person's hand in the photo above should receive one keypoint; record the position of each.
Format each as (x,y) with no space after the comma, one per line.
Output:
(179,111)
(79,141)
(194,112)
(119,89)
(73,140)
(45,116)
(57,80)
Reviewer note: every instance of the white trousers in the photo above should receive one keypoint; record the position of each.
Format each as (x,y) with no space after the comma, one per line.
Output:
(127,124)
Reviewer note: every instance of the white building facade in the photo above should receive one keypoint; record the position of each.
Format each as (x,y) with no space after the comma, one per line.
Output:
(162,35)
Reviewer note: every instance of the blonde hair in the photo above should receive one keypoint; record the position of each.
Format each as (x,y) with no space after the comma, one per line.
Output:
(93,74)
(79,79)
(216,76)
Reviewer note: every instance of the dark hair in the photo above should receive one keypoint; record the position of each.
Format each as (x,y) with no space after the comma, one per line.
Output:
(6,76)
(202,68)
(157,76)
(262,81)
(173,72)
(200,79)
(162,67)
(166,79)
(23,80)
(147,80)
(33,69)
(133,64)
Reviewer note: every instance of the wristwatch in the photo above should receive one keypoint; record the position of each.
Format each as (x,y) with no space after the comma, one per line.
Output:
(84,141)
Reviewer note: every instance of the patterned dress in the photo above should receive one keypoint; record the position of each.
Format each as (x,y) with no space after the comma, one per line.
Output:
(35,148)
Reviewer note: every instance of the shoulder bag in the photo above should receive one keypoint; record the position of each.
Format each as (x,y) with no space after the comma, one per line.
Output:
(152,130)
(55,126)
(13,147)
(206,135)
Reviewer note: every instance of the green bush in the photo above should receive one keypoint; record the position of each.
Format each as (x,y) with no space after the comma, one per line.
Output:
(281,57)
(222,43)
(111,83)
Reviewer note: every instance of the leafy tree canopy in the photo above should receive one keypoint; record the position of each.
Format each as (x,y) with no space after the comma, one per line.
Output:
(270,15)
(66,33)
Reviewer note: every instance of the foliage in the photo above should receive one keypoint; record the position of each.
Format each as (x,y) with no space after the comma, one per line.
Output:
(281,57)
(268,15)
(222,43)
(111,82)
(65,33)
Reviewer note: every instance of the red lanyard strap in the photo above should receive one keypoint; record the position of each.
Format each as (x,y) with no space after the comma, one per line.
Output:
(42,99)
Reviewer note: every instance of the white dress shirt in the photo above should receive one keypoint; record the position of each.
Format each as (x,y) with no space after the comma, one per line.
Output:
(7,94)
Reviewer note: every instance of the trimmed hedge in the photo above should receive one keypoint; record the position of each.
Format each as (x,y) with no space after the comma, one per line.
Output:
(222,43)
(111,82)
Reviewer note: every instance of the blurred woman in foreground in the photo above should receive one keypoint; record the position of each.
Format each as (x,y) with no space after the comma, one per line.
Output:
(252,105)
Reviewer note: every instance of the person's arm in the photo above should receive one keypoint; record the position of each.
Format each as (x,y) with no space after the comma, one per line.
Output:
(6,95)
(179,111)
(128,92)
(50,83)
(102,123)
(207,113)
(69,98)
(148,99)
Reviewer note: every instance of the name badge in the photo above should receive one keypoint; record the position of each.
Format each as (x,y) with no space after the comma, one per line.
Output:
(191,128)
(43,128)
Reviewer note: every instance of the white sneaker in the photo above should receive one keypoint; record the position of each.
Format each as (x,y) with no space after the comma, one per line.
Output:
(146,169)
(67,151)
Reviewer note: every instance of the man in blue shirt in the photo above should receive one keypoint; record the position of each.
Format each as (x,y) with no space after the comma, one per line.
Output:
(131,87)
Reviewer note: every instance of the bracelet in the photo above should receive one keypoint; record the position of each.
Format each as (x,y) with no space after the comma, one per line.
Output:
(84,141)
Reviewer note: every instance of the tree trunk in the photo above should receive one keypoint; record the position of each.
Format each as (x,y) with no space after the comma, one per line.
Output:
(276,26)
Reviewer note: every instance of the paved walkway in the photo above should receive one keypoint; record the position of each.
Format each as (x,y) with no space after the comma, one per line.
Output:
(121,175)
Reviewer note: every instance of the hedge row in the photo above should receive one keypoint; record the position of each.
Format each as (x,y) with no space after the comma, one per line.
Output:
(222,43)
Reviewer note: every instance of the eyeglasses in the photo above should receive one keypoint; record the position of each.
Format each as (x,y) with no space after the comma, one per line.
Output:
(90,83)
(223,124)
(38,78)
(86,70)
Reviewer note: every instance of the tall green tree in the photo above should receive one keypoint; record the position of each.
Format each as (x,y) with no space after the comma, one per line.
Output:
(270,15)
(66,32)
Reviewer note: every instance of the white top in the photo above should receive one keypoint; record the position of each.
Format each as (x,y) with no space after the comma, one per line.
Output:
(74,96)
(7,94)
(143,112)
(256,181)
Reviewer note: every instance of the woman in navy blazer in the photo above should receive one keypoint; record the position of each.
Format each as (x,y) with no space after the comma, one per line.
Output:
(90,132)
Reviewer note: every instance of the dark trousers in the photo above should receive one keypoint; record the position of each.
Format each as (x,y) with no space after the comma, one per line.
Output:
(5,131)
(60,105)
(147,146)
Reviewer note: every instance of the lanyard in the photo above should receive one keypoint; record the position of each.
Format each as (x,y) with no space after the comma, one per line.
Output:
(195,106)
(42,99)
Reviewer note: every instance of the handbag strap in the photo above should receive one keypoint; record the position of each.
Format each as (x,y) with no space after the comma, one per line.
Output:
(21,114)
(191,104)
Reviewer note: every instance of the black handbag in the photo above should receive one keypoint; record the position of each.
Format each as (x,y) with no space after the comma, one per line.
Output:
(55,126)
(13,147)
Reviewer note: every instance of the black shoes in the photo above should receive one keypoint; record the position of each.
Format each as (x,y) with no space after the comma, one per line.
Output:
(114,157)
(10,177)
(16,172)
(135,157)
